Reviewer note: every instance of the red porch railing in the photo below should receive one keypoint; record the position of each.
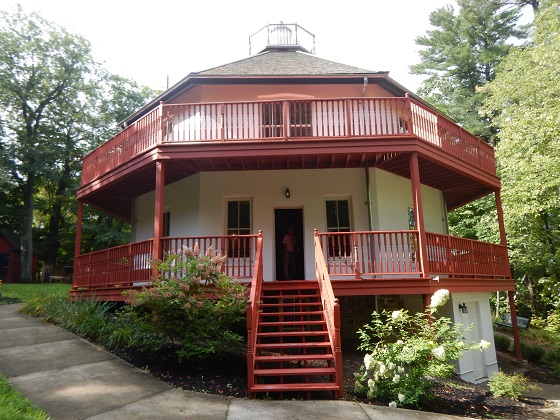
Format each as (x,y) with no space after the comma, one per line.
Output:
(460,257)
(363,254)
(331,310)
(392,253)
(253,308)
(131,265)
(346,255)
(239,249)
(121,266)
(284,120)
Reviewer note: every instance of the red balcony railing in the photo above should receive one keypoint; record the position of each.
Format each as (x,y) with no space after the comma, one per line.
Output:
(287,120)
(395,253)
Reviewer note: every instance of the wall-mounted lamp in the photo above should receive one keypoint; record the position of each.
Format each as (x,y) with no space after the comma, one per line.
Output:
(463,308)
(287,193)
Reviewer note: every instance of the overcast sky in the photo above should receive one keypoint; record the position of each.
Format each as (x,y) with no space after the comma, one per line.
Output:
(150,40)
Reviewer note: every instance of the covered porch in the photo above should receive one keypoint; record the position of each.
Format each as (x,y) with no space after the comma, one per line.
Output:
(369,262)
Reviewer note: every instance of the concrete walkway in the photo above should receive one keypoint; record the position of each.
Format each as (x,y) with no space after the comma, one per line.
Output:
(70,378)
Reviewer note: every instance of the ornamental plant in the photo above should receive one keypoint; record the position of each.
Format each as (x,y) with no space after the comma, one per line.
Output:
(404,351)
(193,303)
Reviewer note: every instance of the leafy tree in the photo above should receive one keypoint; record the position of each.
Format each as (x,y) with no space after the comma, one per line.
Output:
(59,105)
(524,97)
(40,66)
(461,54)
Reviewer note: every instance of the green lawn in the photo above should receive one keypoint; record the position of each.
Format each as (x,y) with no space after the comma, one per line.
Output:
(29,291)
(14,406)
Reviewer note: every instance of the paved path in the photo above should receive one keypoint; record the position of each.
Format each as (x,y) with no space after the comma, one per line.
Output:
(71,378)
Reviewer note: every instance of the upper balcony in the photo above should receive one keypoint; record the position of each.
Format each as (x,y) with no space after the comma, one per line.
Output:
(273,121)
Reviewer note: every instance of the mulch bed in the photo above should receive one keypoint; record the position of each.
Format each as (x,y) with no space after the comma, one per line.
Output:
(454,396)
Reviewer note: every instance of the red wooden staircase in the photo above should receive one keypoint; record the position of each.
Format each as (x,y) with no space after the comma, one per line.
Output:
(293,351)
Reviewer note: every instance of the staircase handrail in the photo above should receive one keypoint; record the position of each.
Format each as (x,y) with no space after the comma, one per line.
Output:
(331,309)
(253,308)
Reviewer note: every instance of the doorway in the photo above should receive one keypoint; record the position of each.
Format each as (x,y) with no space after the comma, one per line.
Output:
(473,335)
(283,219)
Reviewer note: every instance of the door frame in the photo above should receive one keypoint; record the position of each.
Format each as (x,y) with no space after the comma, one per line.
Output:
(284,218)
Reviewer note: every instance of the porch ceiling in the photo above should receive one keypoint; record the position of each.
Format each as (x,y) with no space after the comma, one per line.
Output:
(115,196)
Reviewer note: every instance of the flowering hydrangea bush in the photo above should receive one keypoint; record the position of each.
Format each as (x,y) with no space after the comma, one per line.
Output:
(193,303)
(404,351)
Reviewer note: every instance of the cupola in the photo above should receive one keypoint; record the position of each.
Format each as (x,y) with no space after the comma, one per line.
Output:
(282,37)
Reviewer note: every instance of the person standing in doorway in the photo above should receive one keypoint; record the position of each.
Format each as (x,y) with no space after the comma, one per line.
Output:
(289,246)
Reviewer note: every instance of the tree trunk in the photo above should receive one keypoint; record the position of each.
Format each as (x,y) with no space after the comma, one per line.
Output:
(531,290)
(26,233)
(56,218)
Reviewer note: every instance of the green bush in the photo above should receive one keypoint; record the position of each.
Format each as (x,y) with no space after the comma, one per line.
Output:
(194,304)
(532,352)
(552,360)
(404,351)
(502,342)
(510,386)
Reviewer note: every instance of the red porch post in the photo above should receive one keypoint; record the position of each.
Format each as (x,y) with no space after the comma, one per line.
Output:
(418,211)
(513,311)
(515,328)
(500,213)
(79,217)
(158,210)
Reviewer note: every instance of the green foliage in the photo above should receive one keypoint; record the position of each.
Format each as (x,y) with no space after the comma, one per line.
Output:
(523,101)
(502,342)
(16,407)
(95,320)
(532,352)
(404,351)
(510,386)
(194,304)
(461,54)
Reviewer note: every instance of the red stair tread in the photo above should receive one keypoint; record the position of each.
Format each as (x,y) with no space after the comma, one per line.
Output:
(293,345)
(275,305)
(319,386)
(295,371)
(293,357)
(292,333)
(301,313)
(290,323)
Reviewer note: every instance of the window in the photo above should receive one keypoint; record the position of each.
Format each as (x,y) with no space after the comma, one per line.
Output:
(411,219)
(272,120)
(338,220)
(166,223)
(238,223)
(300,119)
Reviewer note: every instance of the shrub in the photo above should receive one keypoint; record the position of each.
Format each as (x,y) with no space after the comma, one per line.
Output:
(194,303)
(502,342)
(404,350)
(552,360)
(510,386)
(532,352)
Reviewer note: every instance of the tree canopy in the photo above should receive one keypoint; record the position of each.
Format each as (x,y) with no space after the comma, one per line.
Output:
(525,97)
(57,105)
(461,54)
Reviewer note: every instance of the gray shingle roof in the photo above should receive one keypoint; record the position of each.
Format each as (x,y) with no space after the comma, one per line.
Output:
(283,63)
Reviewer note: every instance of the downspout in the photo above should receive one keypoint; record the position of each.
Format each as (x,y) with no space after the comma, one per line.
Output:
(370,223)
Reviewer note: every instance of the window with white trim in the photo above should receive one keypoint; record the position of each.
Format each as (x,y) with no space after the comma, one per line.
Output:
(238,223)
(338,220)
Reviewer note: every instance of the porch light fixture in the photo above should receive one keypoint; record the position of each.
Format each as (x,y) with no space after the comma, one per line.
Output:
(287,193)
(463,308)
